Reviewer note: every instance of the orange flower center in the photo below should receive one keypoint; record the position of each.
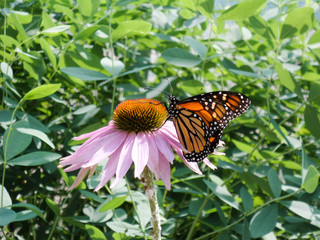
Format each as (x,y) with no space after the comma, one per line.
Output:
(140,115)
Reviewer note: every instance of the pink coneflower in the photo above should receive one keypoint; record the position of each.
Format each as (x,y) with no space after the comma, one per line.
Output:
(135,135)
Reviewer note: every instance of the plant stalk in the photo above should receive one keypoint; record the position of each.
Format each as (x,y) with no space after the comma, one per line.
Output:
(151,194)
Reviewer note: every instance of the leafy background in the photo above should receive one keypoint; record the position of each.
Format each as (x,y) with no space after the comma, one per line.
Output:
(58,80)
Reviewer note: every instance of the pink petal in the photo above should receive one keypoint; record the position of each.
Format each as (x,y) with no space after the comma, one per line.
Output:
(164,170)
(140,153)
(92,146)
(82,173)
(125,159)
(73,167)
(209,164)
(92,170)
(110,169)
(153,155)
(109,146)
(94,133)
(191,165)
(164,146)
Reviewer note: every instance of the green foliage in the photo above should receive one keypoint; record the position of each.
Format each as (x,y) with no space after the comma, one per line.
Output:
(66,64)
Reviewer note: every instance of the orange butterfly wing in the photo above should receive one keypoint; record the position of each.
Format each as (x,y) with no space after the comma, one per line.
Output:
(200,120)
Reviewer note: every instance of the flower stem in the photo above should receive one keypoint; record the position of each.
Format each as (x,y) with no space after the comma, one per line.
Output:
(151,194)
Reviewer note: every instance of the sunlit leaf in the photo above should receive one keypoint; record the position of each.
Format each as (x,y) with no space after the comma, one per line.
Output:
(242,10)
(131,28)
(42,91)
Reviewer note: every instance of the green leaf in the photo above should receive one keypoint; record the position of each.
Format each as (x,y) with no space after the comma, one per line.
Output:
(244,73)
(311,180)
(124,2)
(132,27)
(91,196)
(114,203)
(7,216)
(32,122)
(218,209)
(228,165)
(312,120)
(25,215)
(88,32)
(53,206)
(314,94)
(274,183)
(15,142)
(222,193)
(180,57)
(305,164)
(35,158)
(197,46)
(114,67)
(47,50)
(286,79)
(246,148)
(304,210)
(42,91)
(246,198)
(205,7)
(31,207)
(264,221)
(56,30)
(193,87)
(88,7)
(85,74)
(242,10)
(136,69)
(6,69)
(297,22)
(160,88)
(278,129)
(6,197)
(261,27)
(252,180)
(95,233)
(123,227)
(36,133)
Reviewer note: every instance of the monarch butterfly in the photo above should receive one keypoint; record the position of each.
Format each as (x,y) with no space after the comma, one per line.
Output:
(200,120)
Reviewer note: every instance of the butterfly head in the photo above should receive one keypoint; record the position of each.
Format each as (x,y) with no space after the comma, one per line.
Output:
(173,101)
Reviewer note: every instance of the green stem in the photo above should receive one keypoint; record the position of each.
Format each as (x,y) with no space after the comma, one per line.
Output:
(209,235)
(151,194)
(195,221)
(112,60)
(54,227)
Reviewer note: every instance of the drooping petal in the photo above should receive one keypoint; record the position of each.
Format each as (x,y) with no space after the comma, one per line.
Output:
(87,152)
(82,173)
(73,167)
(164,171)
(92,170)
(191,165)
(209,164)
(164,146)
(95,138)
(140,153)
(125,159)
(110,169)
(153,155)
(110,145)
